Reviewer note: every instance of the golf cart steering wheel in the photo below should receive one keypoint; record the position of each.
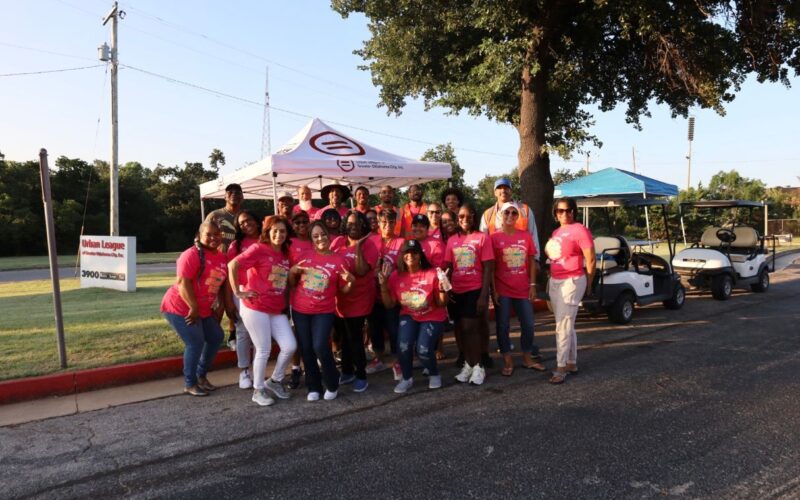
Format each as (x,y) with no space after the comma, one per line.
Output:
(725,235)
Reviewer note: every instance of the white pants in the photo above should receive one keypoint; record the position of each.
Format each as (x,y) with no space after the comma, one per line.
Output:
(263,328)
(244,347)
(565,296)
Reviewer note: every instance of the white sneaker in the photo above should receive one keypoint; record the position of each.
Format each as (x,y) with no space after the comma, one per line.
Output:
(397,371)
(478,375)
(465,374)
(312,396)
(260,397)
(375,366)
(425,372)
(330,396)
(245,382)
(435,382)
(232,345)
(404,385)
(276,388)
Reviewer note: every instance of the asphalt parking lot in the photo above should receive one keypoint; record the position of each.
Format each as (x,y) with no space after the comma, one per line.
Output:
(701,402)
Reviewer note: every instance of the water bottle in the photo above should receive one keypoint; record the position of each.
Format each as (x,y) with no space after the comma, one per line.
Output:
(446,286)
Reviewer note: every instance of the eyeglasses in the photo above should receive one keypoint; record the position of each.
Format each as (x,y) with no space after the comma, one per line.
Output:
(511,213)
(464,216)
(560,211)
(435,212)
(298,222)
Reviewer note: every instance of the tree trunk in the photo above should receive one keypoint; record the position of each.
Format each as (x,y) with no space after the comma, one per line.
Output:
(536,182)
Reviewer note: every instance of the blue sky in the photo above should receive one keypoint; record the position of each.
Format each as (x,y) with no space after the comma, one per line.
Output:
(226,46)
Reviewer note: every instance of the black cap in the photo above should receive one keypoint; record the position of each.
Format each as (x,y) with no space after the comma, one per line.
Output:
(411,246)
(421,219)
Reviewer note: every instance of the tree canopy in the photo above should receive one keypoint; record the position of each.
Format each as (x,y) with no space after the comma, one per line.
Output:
(540,65)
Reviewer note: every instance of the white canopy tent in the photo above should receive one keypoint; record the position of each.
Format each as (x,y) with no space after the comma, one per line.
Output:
(319,155)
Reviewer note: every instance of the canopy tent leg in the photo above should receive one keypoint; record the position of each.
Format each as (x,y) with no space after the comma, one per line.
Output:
(202,210)
(274,194)
(683,230)
(647,223)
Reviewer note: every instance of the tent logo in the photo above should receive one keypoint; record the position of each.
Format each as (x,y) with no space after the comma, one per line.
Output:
(331,143)
(346,165)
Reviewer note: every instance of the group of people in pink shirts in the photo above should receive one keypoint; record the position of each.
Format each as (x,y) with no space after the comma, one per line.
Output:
(320,280)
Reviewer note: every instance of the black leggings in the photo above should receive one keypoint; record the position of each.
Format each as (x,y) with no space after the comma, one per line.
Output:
(351,343)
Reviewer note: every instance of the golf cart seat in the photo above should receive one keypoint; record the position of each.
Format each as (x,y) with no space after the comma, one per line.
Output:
(709,238)
(746,244)
(612,253)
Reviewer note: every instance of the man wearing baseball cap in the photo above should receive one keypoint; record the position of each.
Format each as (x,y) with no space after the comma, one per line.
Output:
(492,220)
(225,217)
(285,205)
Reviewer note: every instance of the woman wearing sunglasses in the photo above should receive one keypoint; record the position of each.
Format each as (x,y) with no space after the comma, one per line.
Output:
(470,257)
(514,286)
(568,249)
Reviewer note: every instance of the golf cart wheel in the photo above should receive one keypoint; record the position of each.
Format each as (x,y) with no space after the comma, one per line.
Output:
(621,311)
(763,282)
(678,298)
(722,286)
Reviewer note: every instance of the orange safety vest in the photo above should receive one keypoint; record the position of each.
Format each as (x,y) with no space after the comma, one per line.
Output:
(490,215)
(405,219)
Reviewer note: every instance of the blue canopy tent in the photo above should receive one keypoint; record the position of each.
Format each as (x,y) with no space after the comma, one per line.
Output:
(614,184)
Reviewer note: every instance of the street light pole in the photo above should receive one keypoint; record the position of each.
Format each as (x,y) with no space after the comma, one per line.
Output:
(689,156)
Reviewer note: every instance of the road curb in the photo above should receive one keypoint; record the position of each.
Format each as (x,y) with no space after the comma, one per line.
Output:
(65,384)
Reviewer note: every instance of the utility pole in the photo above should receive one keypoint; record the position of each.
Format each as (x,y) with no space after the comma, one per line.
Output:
(587,163)
(114,16)
(689,156)
(266,147)
(633,154)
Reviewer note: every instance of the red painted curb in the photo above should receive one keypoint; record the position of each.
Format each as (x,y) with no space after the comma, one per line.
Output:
(64,384)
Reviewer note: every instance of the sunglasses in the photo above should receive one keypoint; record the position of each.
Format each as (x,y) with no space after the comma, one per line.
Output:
(435,212)
(510,213)
(300,221)
(464,216)
(560,211)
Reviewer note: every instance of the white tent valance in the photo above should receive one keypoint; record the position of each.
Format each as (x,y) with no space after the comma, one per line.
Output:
(319,155)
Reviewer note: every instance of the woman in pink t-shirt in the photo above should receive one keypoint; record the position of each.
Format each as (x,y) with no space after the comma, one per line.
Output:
(514,286)
(314,281)
(188,306)
(248,230)
(416,288)
(381,318)
(570,246)
(470,257)
(352,308)
(299,244)
(264,297)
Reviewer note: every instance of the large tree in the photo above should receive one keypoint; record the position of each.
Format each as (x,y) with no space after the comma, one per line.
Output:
(542,64)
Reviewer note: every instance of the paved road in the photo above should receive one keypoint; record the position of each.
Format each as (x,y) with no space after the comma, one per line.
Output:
(701,402)
(69,272)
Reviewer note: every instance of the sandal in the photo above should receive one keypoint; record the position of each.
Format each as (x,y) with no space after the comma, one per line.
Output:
(507,371)
(558,377)
(536,366)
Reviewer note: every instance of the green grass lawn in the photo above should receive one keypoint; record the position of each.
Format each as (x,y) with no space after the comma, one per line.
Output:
(102,327)
(42,261)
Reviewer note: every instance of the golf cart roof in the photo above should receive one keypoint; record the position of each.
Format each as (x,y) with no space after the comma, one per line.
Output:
(616,202)
(722,204)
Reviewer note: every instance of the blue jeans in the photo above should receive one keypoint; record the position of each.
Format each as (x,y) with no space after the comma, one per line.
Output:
(524,310)
(420,335)
(380,319)
(202,340)
(314,335)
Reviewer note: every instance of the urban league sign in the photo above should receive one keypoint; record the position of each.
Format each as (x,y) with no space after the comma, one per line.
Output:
(108,262)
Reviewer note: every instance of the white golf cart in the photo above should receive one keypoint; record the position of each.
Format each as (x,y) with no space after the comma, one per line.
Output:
(627,275)
(728,256)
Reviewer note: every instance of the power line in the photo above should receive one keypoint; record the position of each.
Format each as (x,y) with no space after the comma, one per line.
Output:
(22,47)
(51,71)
